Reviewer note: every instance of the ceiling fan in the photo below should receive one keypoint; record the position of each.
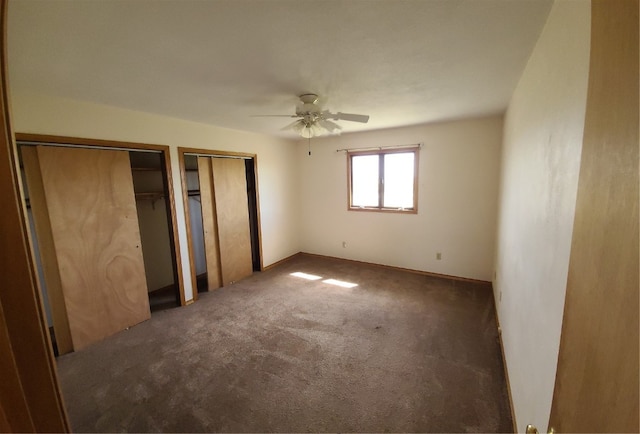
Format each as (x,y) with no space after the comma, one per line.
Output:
(314,121)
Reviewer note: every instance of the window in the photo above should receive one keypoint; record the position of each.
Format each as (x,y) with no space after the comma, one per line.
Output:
(383,180)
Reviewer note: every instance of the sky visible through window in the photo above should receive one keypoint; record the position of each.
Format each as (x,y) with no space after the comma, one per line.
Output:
(398,180)
(365,171)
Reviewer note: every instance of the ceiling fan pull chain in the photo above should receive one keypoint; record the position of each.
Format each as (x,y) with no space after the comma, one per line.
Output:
(309,141)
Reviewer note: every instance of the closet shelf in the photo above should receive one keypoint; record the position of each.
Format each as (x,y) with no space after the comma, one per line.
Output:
(146,169)
(154,195)
(150,195)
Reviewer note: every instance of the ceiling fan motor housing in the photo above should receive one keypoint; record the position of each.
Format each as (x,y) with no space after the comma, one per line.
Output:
(309,110)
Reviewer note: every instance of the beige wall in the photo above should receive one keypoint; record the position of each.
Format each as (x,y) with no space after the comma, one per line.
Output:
(540,164)
(277,172)
(458,184)
(156,247)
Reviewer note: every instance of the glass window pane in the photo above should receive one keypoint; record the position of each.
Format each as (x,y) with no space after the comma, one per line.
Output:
(398,180)
(364,179)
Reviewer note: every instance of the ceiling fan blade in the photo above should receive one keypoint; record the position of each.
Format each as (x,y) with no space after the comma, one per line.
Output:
(274,116)
(329,126)
(350,117)
(291,126)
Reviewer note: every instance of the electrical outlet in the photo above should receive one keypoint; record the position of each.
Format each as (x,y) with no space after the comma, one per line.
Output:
(344,244)
(438,256)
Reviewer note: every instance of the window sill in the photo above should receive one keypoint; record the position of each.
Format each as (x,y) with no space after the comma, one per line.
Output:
(384,210)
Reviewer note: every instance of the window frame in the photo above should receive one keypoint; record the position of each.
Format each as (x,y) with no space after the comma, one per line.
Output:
(380,153)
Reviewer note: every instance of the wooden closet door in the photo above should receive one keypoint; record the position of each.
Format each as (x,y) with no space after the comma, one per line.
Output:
(209,223)
(232,210)
(94,224)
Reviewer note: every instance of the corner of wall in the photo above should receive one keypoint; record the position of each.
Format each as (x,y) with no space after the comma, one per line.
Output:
(542,142)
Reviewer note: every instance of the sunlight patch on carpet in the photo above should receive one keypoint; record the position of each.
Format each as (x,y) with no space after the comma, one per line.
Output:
(340,283)
(306,276)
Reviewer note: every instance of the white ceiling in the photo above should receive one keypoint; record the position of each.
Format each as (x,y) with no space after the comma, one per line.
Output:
(221,61)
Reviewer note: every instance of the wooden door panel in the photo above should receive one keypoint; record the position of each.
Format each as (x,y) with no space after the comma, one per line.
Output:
(209,223)
(16,418)
(95,230)
(597,379)
(232,209)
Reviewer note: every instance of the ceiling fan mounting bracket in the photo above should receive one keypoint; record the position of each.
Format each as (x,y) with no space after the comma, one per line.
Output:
(309,98)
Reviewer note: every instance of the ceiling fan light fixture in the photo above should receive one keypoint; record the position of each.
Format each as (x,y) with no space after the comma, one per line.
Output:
(313,127)
(298,127)
(316,129)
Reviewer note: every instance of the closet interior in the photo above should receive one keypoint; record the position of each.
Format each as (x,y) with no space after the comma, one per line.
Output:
(223,221)
(150,186)
(102,237)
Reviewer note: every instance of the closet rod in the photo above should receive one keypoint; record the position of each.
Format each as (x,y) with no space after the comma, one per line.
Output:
(69,145)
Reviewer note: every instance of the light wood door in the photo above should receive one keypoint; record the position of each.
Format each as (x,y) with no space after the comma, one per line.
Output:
(209,223)
(94,224)
(597,380)
(232,210)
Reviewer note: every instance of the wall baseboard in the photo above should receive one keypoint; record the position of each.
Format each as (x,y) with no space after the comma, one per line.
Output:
(391,267)
(504,365)
(281,261)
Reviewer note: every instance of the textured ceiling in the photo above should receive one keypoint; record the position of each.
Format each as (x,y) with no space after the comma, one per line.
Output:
(222,61)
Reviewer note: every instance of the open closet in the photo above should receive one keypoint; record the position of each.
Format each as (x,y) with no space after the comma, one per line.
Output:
(150,186)
(103,233)
(223,218)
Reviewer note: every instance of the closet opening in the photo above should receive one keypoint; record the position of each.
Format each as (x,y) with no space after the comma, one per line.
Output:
(151,190)
(102,224)
(222,216)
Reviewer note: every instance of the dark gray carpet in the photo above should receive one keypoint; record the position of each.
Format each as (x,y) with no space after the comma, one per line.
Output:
(274,352)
